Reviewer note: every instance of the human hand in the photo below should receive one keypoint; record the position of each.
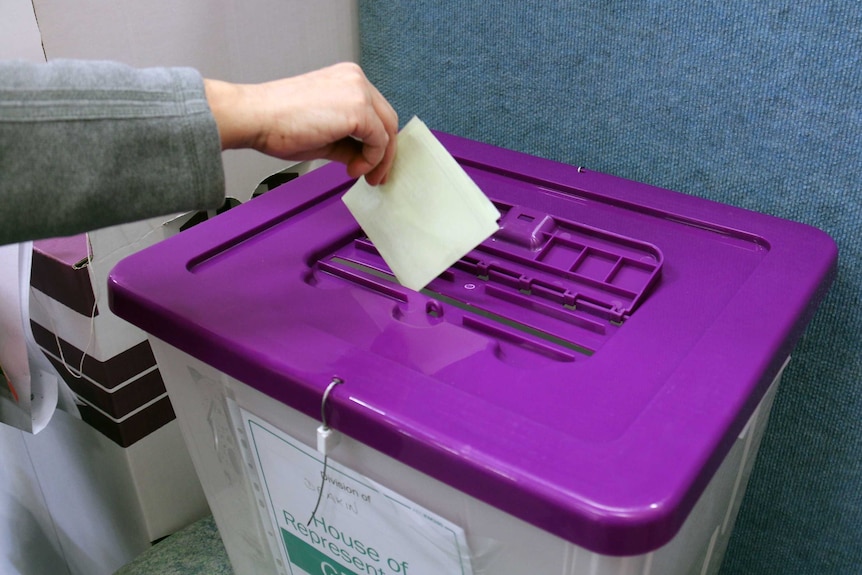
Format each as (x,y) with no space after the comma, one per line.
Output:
(333,113)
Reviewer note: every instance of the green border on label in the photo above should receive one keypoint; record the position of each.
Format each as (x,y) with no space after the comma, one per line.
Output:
(308,558)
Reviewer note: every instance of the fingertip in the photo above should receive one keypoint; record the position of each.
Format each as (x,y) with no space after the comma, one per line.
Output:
(359,167)
(355,171)
(377,176)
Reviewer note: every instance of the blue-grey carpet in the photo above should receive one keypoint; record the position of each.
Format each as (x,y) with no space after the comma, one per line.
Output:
(756,104)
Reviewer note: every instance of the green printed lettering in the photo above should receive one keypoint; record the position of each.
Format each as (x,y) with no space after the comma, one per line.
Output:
(336,535)
(319,522)
(397,567)
(302,529)
(316,539)
(359,563)
(310,559)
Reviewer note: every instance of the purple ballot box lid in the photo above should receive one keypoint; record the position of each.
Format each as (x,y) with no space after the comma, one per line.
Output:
(586,369)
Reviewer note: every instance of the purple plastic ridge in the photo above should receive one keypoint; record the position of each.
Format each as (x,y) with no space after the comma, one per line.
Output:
(585,370)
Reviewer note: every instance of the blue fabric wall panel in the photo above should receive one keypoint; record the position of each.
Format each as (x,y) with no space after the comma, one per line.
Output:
(756,104)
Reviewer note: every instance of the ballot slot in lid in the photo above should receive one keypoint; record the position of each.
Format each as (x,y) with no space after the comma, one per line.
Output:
(547,284)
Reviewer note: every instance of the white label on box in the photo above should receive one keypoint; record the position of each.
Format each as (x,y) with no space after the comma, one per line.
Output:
(359,528)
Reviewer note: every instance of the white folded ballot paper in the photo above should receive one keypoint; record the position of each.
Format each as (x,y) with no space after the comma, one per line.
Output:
(427,215)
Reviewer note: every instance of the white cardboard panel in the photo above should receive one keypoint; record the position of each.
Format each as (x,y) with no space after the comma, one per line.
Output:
(19,32)
(167,486)
(28,539)
(87,485)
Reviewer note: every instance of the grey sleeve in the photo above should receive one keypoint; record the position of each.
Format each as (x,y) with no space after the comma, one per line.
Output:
(84,145)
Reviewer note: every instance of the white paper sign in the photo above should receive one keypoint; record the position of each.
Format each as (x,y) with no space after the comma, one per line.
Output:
(30,384)
(359,528)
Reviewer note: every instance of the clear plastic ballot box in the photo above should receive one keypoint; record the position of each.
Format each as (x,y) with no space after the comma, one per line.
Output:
(583,393)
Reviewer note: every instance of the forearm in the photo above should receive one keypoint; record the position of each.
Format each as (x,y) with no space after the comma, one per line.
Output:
(89,144)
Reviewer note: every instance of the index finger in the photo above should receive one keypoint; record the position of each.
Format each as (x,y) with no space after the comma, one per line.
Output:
(378,136)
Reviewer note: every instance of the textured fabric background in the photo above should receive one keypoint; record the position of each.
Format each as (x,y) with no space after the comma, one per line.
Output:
(756,104)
